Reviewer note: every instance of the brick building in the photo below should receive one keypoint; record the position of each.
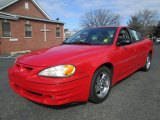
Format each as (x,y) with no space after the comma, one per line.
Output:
(24,26)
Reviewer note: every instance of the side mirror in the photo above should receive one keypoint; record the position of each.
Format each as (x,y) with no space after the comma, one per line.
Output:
(124,42)
(66,39)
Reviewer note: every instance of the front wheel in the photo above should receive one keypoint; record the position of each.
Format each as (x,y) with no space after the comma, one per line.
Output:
(101,85)
(147,65)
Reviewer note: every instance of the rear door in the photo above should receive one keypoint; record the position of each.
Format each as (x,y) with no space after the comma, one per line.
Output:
(140,47)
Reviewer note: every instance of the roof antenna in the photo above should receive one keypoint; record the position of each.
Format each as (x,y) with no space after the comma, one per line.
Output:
(57,19)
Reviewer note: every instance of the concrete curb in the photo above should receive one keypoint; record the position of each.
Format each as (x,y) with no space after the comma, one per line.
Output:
(20,52)
(14,54)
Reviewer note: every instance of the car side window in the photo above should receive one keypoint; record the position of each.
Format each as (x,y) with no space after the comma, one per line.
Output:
(136,36)
(140,37)
(123,35)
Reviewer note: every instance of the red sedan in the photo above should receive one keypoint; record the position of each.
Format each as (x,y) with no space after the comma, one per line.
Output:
(83,68)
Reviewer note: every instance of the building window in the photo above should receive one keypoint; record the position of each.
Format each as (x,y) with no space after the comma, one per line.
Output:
(26,5)
(28,30)
(6,29)
(58,32)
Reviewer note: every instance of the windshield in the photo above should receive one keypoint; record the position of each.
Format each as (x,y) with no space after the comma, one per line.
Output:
(97,36)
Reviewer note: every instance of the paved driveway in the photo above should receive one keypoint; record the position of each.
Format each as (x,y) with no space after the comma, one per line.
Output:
(135,98)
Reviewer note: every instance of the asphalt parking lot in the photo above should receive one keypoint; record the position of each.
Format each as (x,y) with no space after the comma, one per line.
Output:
(135,98)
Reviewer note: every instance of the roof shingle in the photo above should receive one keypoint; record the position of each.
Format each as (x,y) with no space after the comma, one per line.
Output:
(4,3)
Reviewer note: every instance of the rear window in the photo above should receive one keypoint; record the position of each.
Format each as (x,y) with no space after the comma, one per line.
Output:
(136,36)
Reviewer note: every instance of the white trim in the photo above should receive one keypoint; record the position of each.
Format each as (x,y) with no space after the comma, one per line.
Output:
(41,9)
(28,37)
(45,30)
(26,5)
(7,37)
(32,18)
(4,13)
(58,37)
(8,4)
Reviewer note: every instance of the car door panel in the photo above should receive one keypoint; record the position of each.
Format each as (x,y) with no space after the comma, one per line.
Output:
(125,62)
(125,56)
(141,51)
(140,46)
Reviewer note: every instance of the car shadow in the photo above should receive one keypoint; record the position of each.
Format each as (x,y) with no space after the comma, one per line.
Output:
(61,107)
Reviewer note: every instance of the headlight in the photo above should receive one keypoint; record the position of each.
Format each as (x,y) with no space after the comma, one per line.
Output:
(58,71)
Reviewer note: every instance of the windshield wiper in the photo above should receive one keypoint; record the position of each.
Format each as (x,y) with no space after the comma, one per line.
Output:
(81,42)
(78,42)
(66,42)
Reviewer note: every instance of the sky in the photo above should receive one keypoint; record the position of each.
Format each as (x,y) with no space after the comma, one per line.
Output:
(70,11)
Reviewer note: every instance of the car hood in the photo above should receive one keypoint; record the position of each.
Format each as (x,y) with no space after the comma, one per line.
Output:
(62,54)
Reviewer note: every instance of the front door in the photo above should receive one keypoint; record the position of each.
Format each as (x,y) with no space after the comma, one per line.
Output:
(124,56)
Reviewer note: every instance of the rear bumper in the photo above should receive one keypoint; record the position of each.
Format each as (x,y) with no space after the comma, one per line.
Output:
(51,94)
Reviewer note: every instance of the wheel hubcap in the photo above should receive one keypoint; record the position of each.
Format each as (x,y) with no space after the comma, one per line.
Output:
(148,63)
(102,85)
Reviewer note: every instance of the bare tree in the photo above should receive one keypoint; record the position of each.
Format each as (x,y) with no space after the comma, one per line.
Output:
(145,20)
(99,17)
(134,22)
(157,30)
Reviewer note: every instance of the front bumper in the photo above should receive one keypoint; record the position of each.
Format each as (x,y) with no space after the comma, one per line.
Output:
(50,93)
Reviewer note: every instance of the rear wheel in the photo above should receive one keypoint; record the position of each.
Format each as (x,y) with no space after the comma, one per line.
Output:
(148,63)
(101,84)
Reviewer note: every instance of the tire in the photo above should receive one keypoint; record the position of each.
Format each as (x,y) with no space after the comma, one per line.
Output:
(147,65)
(101,85)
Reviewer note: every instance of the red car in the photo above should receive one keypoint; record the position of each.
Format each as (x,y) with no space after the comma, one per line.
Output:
(83,68)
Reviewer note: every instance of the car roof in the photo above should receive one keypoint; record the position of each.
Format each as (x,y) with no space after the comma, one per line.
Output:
(111,26)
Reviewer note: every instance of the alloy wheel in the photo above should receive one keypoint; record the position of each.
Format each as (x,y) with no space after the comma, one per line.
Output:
(102,85)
